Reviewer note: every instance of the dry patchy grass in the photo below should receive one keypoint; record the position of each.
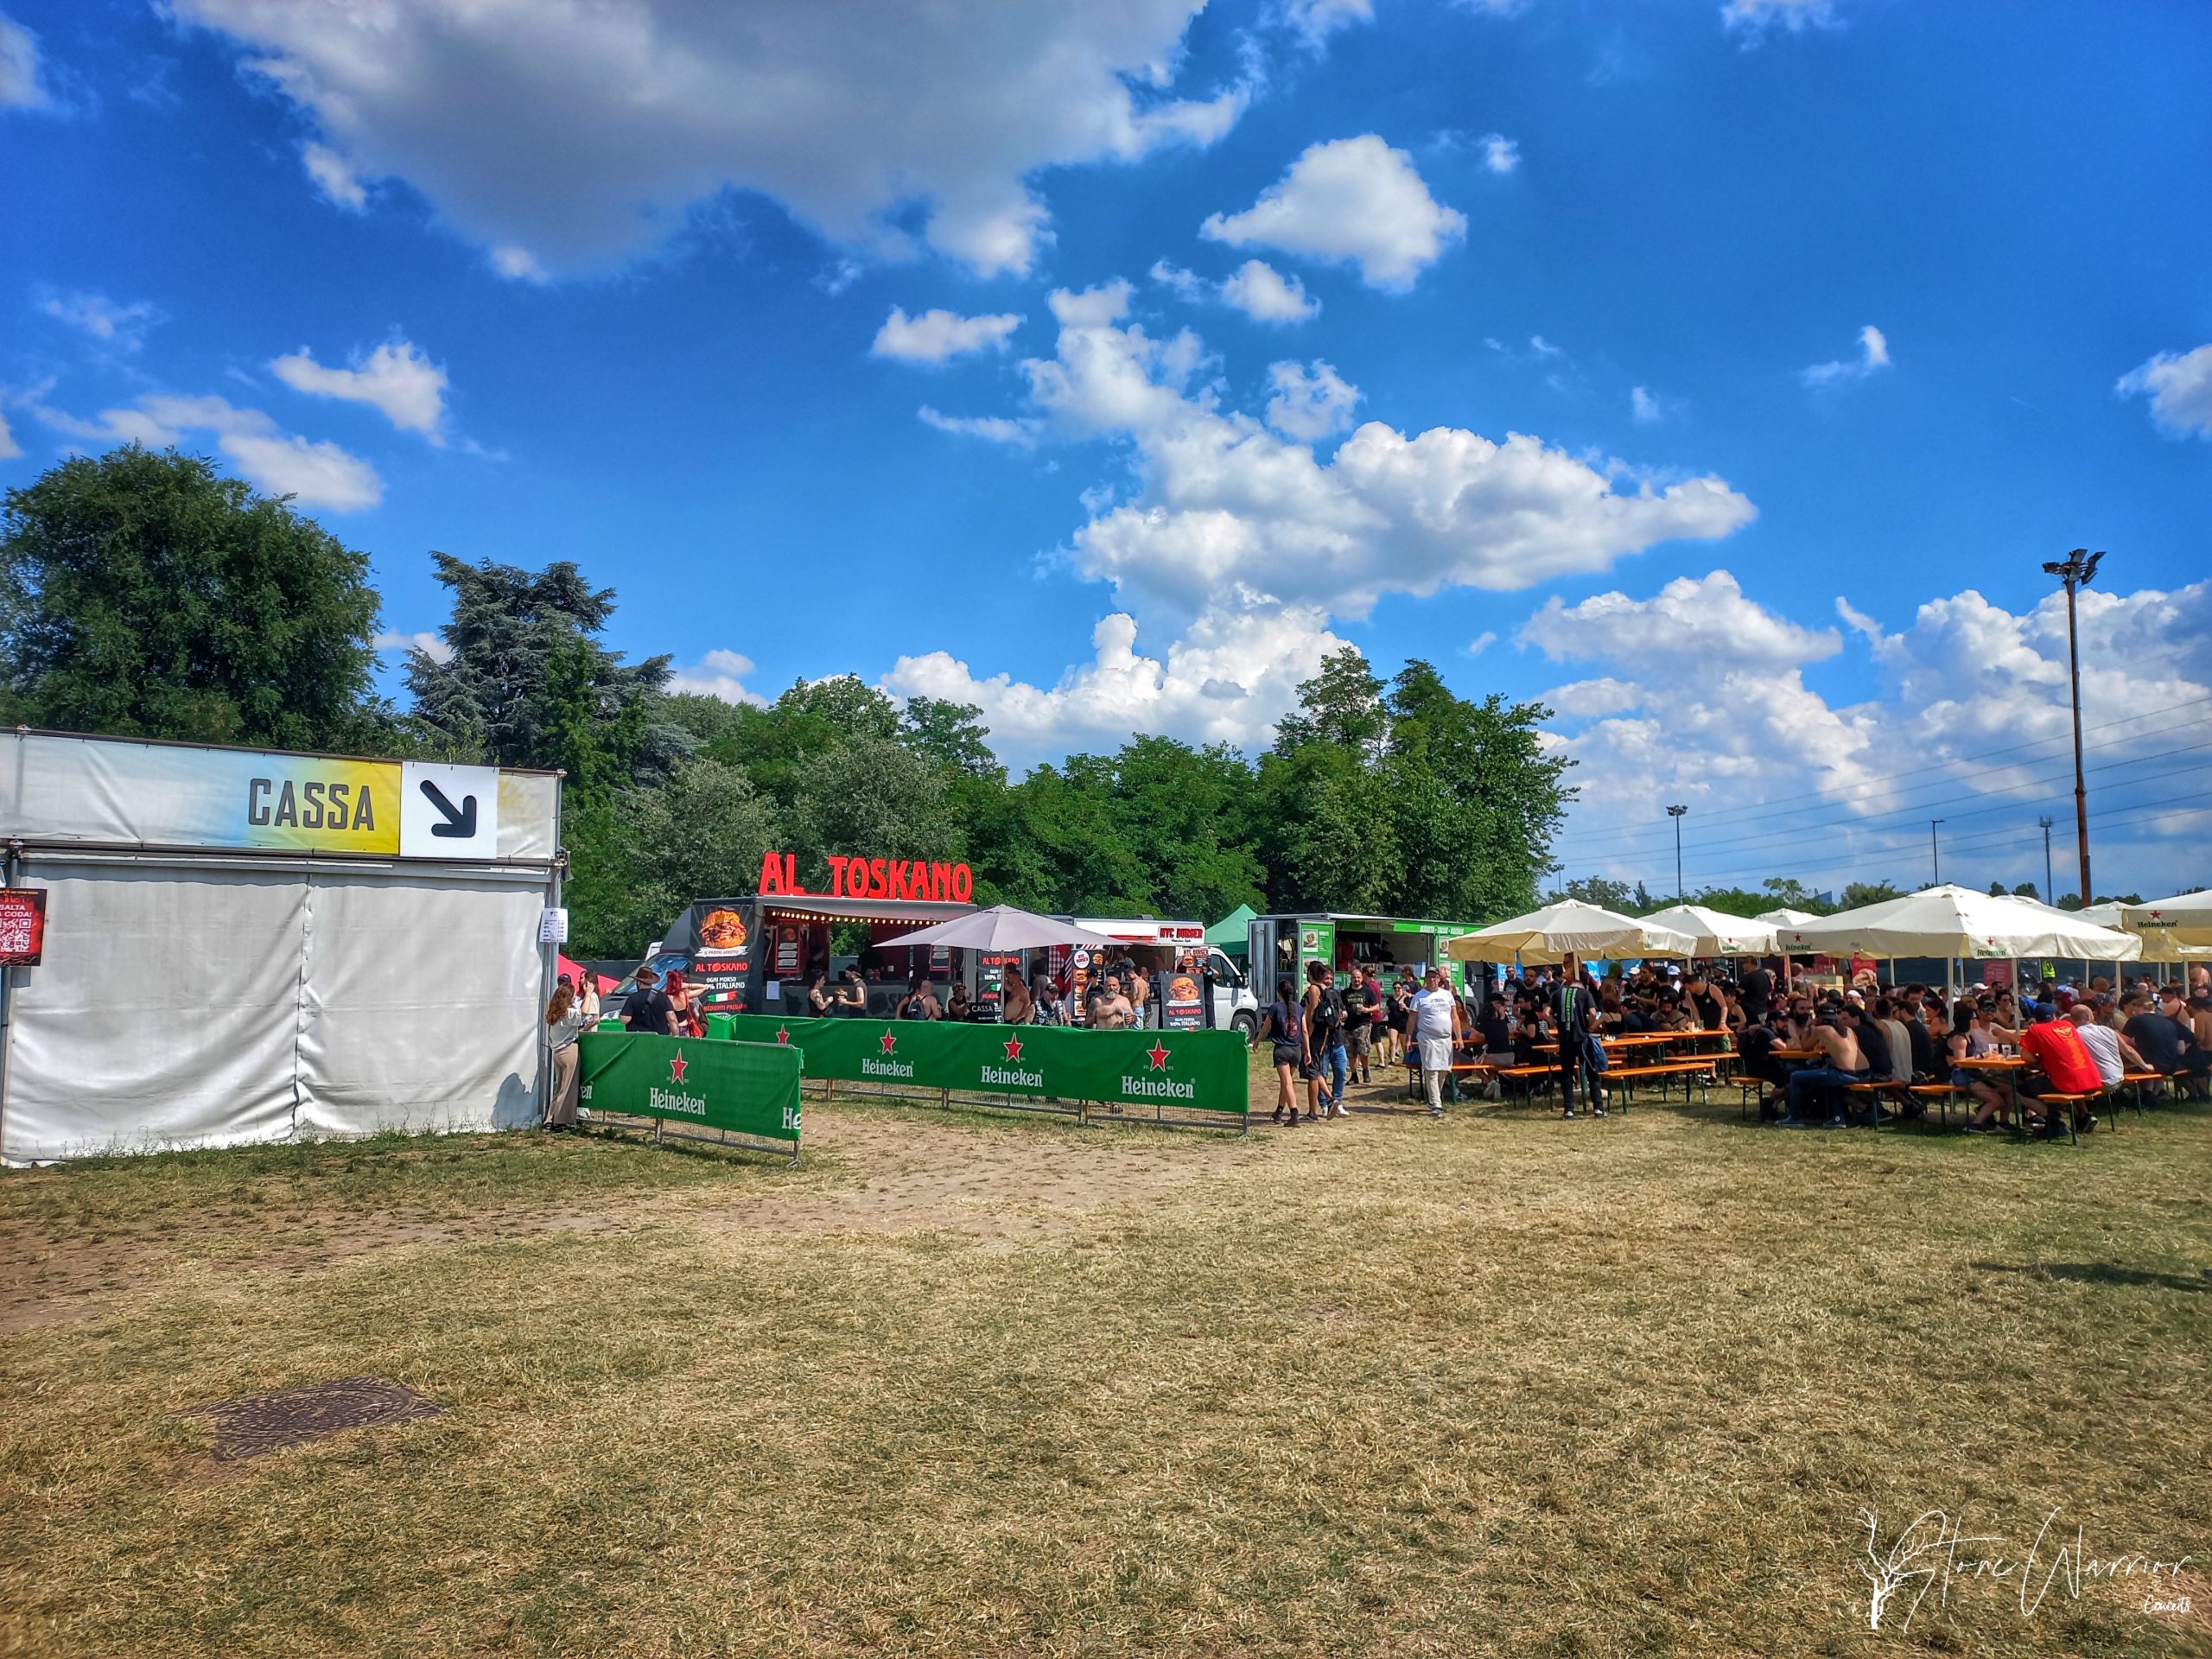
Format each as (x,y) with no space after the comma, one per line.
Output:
(971,1387)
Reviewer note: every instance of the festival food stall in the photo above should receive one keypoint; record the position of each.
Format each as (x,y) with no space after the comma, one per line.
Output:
(1285,944)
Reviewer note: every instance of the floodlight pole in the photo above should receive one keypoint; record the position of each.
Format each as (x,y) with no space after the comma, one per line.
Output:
(1676,813)
(1935,853)
(2049,894)
(2077,571)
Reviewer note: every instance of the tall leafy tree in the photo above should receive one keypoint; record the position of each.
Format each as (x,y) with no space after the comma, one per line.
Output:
(144,594)
(950,736)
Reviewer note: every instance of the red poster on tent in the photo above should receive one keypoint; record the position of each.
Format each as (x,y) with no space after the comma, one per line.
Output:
(1997,975)
(22,926)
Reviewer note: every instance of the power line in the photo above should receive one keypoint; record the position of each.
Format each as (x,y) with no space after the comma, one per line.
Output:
(1762,810)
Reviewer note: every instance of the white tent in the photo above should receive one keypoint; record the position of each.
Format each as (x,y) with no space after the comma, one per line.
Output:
(1957,922)
(1002,927)
(1587,930)
(1786,917)
(1716,933)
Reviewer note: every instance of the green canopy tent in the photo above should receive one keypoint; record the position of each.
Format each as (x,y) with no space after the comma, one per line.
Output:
(1228,935)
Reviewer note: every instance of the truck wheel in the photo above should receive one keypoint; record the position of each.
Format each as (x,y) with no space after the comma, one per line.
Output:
(1246,1026)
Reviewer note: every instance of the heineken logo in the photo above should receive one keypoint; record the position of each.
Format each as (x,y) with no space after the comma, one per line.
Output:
(871,1067)
(1152,1088)
(675,1065)
(1008,1077)
(667,1100)
(1158,1055)
(1014,1048)
(890,1041)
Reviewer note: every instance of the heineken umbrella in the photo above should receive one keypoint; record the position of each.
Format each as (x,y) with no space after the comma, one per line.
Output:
(1716,933)
(1786,917)
(1001,927)
(1951,921)
(1547,934)
(2182,920)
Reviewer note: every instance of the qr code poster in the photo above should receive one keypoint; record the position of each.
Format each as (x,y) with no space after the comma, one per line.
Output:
(22,926)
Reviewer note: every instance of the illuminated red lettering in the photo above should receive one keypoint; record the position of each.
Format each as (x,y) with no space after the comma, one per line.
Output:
(898,889)
(771,873)
(790,874)
(964,884)
(879,879)
(837,862)
(940,880)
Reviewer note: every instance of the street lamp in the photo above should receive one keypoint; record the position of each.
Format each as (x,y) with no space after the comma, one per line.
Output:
(2077,570)
(1935,853)
(1676,813)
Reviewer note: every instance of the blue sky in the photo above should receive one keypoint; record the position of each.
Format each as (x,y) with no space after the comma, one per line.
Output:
(1822,327)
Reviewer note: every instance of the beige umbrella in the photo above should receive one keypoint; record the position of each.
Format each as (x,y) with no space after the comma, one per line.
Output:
(1716,933)
(1568,926)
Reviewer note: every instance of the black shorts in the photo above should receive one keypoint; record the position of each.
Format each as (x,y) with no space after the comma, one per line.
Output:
(1286,1054)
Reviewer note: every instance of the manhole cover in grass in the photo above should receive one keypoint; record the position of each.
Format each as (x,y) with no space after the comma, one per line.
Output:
(270,1422)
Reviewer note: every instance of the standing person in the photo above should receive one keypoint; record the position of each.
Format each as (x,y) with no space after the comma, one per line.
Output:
(1757,994)
(959,1007)
(1324,1019)
(687,1023)
(920,1002)
(1016,1007)
(1357,1026)
(1378,1017)
(564,1016)
(818,1000)
(647,1008)
(1401,1015)
(1284,1027)
(1044,998)
(1111,1009)
(1576,1012)
(1135,986)
(588,996)
(852,1002)
(1436,1021)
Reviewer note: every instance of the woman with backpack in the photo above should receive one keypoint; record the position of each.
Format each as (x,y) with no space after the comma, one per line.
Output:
(1284,1025)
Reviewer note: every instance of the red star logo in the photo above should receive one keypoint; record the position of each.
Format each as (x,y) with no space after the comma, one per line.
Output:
(783,1035)
(1158,1055)
(676,1064)
(890,1042)
(1014,1048)
(2157,915)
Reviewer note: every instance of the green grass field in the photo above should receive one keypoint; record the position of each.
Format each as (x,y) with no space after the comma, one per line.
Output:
(966,1385)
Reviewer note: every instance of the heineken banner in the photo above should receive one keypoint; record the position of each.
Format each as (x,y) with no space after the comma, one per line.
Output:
(745,1088)
(1198,1070)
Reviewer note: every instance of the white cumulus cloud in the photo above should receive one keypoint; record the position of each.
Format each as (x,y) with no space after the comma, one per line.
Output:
(20,87)
(396,379)
(1264,294)
(995,429)
(938,336)
(1873,353)
(1227,679)
(720,673)
(2179,385)
(334,175)
(426,642)
(1309,404)
(1500,153)
(8,448)
(95,315)
(1348,201)
(1754,17)
(316,474)
(567,136)
(1318,19)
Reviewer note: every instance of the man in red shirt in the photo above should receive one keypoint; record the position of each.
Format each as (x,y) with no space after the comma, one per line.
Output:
(2068,1068)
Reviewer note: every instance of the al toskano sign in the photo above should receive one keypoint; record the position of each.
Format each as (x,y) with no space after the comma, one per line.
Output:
(1198,1070)
(745,1088)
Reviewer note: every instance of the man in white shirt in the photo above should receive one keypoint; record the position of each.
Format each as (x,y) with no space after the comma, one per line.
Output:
(1437,1019)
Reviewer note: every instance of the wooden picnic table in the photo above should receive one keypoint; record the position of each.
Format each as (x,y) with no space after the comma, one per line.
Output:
(2011,1066)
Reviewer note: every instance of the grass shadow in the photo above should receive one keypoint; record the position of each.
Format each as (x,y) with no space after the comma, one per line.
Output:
(2104,1272)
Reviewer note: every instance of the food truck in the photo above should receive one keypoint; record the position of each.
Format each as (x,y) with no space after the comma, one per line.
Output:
(1175,955)
(754,954)
(1284,945)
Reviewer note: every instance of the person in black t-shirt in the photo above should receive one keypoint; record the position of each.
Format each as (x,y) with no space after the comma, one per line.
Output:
(2164,1038)
(1756,995)
(647,1008)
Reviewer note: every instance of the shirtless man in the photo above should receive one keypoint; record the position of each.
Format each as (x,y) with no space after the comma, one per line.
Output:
(1843,1064)
(1113,1011)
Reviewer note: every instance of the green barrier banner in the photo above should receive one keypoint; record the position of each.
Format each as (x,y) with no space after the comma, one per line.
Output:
(1199,1070)
(749,1088)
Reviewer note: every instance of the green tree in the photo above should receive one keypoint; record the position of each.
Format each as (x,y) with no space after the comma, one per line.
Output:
(1735,901)
(524,682)
(871,798)
(1342,705)
(1600,890)
(1857,894)
(2027,890)
(950,736)
(144,594)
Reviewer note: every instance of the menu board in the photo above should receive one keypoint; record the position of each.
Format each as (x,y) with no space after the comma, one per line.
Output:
(1182,998)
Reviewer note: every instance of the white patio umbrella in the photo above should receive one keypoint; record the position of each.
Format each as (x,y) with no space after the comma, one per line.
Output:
(1548,934)
(1716,933)
(1002,927)
(1952,922)
(2182,920)
(1786,917)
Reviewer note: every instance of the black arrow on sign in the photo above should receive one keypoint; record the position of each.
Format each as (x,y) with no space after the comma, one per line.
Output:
(460,822)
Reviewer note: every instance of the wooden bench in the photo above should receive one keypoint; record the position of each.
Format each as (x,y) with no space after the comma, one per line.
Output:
(1687,1070)
(1942,1094)
(2053,1102)
(2137,1082)
(1476,1068)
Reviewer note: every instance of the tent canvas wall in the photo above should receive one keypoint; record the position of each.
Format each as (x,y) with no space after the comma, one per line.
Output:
(200,986)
